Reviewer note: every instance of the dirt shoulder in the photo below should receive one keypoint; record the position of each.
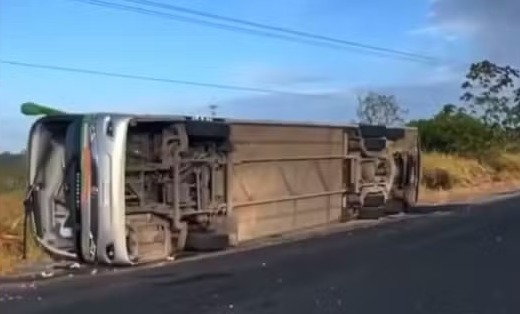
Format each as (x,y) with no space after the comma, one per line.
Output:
(466,194)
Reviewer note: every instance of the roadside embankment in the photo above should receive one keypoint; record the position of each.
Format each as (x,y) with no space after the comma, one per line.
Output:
(451,178)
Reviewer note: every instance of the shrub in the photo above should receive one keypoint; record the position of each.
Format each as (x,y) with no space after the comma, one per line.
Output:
(454,132)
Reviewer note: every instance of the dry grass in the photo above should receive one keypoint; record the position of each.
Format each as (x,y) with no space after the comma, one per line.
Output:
(451,178)
(11,232)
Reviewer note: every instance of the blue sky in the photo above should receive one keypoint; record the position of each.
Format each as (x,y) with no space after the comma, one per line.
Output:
(73,34)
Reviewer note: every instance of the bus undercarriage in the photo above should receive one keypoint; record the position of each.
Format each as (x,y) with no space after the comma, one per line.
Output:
(122,189)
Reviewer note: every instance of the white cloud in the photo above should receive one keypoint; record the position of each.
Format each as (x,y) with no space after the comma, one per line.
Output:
(421,99)
(491,25)
(264,74)
(448,30)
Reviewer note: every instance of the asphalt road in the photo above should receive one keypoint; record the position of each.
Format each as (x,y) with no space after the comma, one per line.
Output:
(466,261)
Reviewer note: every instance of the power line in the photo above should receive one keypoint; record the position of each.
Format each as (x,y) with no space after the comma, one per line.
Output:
(204,23)
(149,78)
(330,43)
(282,29)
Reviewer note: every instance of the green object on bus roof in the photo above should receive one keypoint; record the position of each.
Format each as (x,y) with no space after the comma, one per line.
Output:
(33,109)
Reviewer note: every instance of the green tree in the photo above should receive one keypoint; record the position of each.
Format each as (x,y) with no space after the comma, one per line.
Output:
(490,94)
(380,109)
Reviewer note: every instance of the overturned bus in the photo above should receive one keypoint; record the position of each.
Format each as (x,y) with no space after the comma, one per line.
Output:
(123,189)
